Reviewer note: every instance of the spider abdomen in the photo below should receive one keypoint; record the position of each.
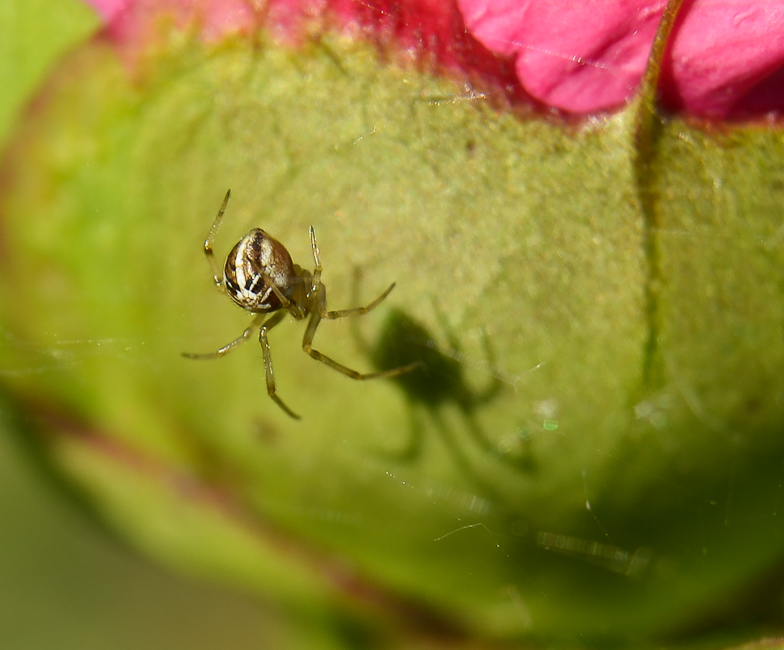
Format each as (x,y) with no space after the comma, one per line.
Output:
(256,263)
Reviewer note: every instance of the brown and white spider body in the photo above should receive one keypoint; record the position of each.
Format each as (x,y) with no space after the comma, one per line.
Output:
(260,276)
(254,265)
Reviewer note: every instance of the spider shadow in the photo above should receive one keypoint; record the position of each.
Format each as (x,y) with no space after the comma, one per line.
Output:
(441,384)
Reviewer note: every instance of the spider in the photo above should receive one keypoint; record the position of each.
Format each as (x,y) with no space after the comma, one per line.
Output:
(261,278)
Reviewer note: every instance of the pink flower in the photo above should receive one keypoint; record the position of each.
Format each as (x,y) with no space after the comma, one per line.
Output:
(726,57)
(109,9)
(129,23)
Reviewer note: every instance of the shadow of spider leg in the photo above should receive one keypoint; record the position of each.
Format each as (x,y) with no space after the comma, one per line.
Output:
(320,312)
(441,384)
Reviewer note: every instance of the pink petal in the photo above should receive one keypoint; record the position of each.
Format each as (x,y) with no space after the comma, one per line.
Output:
(132,24)
(429,34)
(578,56)
(108,9)
(726,55)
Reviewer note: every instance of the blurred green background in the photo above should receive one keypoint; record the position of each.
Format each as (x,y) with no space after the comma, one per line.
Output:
(64,582)
(65,585)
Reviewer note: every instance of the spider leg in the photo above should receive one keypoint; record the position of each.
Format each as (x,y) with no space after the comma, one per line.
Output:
(217,276)
(270,375)
(357,311)
(254,324)
(310,333)
(321,295)
(294,309)
(316,260)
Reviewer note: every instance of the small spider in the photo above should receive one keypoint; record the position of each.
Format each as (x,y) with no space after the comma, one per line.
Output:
(261,278)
